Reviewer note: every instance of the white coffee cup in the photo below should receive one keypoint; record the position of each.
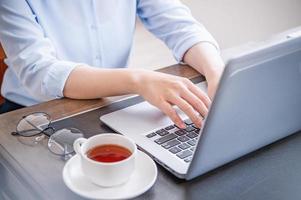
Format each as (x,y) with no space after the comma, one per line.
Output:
(106,174)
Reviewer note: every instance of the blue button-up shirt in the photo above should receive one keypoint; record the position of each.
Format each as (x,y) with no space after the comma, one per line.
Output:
(44,40)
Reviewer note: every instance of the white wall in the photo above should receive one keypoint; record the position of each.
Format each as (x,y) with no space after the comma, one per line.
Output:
(232,22)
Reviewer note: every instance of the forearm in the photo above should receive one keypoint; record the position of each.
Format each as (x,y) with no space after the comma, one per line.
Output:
(205,58)
(86,82)
(159,89)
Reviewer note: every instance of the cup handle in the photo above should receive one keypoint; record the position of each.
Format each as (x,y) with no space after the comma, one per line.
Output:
(77,145)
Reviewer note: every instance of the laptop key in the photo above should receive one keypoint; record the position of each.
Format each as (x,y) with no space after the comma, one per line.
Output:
(169,127)
(175,150)
(151,135)
(188,159)
(192,142)
(162,132)
(189,128)
(165,138)
(192,135)
(170,144)
(197,128)
(184,146)
(180,132)
(183,138)
(184,154)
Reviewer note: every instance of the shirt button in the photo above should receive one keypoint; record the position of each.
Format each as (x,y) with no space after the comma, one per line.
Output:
(97,57)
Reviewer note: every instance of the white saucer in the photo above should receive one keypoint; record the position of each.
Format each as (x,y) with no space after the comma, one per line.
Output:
(140,181)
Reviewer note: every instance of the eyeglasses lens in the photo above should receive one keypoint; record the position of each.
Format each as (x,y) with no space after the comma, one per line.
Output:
(61,142)
(33,124)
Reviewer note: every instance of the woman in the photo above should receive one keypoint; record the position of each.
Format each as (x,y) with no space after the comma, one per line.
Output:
(79,49)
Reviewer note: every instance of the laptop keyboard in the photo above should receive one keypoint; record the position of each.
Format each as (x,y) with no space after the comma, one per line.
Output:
(180,142)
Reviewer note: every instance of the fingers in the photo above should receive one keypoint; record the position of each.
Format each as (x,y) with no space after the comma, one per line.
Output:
(199,93)
(166,108)
(195,102)
(182,93)
(191,100)
(189,111)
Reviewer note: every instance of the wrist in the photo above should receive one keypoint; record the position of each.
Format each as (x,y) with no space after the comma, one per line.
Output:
(136,77)
(213,65)
(213,72)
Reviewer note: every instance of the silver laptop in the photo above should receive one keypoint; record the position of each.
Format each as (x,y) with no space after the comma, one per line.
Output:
(258,102)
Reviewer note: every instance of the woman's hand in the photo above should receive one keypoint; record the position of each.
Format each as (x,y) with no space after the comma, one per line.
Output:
(164,91)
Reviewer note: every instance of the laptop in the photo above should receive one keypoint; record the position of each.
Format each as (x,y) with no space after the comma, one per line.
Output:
(258,102)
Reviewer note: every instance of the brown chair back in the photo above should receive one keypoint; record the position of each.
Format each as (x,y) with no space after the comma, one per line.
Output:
(2,69)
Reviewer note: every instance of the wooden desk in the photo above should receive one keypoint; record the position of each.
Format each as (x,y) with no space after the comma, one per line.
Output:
(28,172)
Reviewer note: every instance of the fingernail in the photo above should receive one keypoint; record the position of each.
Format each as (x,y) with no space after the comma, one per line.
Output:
(182,125)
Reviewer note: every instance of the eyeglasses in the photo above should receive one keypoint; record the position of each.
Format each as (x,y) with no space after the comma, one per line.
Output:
(37,126)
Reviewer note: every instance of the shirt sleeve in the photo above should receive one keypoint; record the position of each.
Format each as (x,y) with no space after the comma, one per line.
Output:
(30,54)
(172,22)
